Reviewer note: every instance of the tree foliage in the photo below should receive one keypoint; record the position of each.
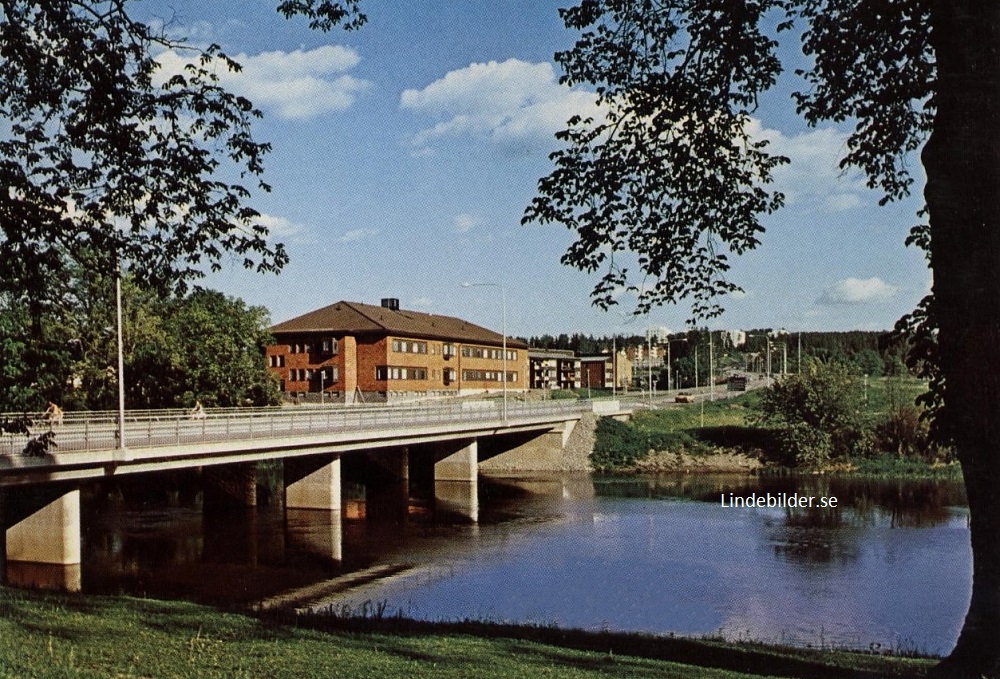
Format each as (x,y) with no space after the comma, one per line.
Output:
(105,157)
(676,171)
(672,173)
(203,345)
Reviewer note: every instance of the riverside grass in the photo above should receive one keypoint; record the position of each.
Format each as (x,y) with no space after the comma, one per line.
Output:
(704,428)
(55,636)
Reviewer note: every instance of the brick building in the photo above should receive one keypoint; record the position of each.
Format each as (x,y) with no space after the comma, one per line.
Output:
(350,352)
(604,371)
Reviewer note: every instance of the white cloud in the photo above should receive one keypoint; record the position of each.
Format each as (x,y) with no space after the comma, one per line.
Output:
(813,181)
(422,302)
(355,235)
(857,291)
(294,85)
(464,223)
(279,227)
(510,103)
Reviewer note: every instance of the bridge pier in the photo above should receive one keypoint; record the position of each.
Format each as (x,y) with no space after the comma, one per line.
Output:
(387,484)
(313,483)
(42,548)
(455,479)
(313,506)
(233,485)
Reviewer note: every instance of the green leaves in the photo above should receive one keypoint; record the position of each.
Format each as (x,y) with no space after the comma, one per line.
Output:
(104,154)
(672,179)
(873,65)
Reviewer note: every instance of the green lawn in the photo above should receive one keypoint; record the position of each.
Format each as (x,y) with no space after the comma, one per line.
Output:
(84,636)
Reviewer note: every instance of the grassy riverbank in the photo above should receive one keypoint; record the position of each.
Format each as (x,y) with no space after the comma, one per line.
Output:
(721,436)
(47,636)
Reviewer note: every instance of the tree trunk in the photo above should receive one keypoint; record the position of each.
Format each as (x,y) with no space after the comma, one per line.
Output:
(962,161)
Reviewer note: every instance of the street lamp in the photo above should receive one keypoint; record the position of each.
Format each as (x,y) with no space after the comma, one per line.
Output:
(503,302)
(121,360)
(649,364)
(679,339)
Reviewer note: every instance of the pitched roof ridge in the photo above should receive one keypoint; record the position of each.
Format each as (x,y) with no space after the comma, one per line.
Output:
(355,307)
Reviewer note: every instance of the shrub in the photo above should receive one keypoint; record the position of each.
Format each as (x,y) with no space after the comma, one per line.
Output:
(903,432)
(617,445)
(818,408)
(804,446)
(557,394)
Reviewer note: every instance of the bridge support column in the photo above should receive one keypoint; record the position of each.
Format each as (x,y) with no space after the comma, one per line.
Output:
(313,486)
(313,500)
(455,481)
(387,484)
(231,485)
(43,548)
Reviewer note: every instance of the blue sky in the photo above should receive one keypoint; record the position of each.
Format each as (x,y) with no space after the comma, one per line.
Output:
(404,155)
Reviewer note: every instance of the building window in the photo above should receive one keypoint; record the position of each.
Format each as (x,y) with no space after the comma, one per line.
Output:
(276,361)
(329,345)
(409,347)
(448,350)
(390,372)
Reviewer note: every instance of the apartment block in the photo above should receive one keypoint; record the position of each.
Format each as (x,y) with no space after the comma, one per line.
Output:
(350,352)
(553,369)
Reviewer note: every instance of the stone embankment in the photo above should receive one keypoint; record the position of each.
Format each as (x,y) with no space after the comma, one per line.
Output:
(720,461)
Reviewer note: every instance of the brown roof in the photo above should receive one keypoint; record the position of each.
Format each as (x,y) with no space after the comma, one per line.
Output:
(354,318)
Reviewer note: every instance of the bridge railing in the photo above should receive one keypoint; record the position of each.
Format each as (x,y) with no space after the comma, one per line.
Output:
(96,431)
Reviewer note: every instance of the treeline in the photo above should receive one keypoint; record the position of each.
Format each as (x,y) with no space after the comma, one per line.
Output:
(863,352)
(177,349)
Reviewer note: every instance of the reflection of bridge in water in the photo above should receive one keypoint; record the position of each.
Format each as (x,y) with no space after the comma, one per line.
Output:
(386,449)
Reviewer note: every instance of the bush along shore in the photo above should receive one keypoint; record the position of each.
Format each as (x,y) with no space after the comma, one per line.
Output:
(47,636)
(826,420)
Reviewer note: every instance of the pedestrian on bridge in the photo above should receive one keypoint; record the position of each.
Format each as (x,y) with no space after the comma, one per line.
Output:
(198,412)
(54,415)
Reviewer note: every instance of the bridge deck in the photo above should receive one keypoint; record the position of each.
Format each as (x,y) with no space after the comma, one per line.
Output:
(86,445)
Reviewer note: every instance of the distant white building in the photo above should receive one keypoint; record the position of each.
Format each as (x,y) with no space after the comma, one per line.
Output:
(660,333)
(735,338)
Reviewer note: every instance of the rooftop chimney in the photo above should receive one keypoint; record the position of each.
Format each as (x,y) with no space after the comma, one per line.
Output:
(390,303)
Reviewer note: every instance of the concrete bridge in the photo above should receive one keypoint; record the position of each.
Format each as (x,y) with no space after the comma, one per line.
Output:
(441,445)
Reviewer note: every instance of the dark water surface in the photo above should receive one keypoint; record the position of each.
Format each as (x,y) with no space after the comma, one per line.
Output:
(889,568)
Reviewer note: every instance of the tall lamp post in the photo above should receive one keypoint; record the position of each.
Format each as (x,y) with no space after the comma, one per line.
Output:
(503,302)
(649,364)
(121,361)
(679,339)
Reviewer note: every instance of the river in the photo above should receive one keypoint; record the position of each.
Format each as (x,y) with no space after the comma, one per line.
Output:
(888,568)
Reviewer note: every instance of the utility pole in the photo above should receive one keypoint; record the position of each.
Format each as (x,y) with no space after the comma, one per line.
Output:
(711,367)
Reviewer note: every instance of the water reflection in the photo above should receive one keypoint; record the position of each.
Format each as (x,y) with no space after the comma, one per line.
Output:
(889,565)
